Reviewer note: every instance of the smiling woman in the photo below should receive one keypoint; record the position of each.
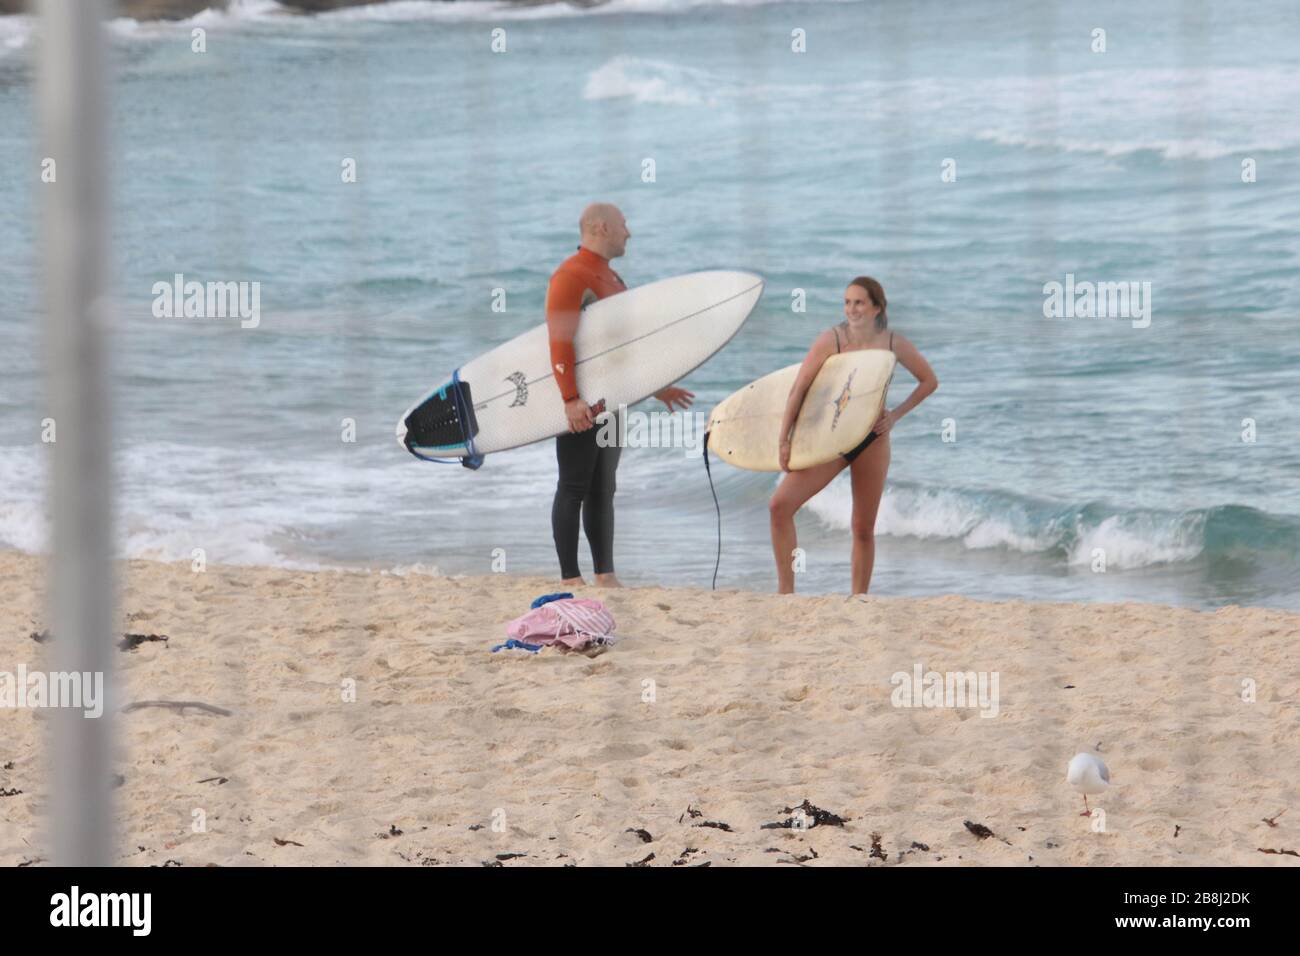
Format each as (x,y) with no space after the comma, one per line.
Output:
(865,329)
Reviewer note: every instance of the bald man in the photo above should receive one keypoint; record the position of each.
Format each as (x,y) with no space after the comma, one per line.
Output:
(586,484)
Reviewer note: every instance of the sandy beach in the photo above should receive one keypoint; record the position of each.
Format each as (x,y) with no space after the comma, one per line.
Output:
(717,713)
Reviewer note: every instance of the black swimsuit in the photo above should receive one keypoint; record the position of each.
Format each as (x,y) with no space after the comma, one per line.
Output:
(871,436)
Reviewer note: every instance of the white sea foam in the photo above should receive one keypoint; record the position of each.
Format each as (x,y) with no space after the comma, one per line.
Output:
(649,81)
(1138,542)
(933,515)
(1128,540)
(172,499)
(1168,148)
(22,513)
(238,12)
(419,569)
(279,510)
(15,33)
(23,527)
(1109,114)
(1114,114)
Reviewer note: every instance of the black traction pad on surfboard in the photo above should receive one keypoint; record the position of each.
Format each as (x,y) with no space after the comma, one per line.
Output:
(437,420)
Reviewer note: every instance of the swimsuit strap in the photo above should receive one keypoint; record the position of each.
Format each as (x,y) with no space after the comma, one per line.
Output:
(891,341)
(836,330)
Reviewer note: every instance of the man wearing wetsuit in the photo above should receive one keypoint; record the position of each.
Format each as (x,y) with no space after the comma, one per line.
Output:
(586,484)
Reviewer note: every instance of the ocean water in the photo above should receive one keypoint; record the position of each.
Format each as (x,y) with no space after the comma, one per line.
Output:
(1072,435)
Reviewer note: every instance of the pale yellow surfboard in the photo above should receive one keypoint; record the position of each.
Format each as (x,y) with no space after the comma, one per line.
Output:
(841,406)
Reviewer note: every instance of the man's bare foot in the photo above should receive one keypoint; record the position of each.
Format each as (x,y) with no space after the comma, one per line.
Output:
(608,581)
(575,582)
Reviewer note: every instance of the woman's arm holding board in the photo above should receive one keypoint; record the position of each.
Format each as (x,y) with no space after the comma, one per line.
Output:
(822,349)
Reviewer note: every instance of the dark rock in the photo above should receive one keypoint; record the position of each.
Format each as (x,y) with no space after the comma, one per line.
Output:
(130,642)
(876,851)
(979,829)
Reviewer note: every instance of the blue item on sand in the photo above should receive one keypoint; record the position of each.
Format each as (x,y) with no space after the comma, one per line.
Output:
(512,644)
(548,598)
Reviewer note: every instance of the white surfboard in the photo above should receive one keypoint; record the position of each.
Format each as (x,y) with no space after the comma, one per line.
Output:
(628,346)
(842,404)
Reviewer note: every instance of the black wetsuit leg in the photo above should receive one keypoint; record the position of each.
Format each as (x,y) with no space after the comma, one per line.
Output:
(585,489)
(598,508)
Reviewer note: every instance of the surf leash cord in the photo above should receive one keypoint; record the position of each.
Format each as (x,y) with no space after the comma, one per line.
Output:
(717,507)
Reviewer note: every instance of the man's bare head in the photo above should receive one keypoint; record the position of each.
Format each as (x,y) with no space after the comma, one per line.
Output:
(604,229)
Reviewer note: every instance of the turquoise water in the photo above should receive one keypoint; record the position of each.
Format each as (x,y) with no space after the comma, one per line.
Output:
(1072,434)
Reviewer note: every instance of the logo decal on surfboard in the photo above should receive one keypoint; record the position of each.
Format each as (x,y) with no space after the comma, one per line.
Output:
(842,402)
(521,388)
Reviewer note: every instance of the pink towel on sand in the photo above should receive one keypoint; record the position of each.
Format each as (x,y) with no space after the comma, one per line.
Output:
(573,622)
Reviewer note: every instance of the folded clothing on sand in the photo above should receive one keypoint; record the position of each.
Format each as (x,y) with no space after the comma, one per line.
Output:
(574,623)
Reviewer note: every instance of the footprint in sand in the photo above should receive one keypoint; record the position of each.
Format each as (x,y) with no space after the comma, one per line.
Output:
(620,752)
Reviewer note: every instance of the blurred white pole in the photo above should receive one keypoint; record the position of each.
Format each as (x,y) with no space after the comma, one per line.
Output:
(72,109)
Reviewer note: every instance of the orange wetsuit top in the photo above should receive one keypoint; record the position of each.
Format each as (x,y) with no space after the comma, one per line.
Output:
(582,278)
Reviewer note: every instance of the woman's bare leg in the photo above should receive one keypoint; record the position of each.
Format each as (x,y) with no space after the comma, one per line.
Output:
(795,489)
(868,476)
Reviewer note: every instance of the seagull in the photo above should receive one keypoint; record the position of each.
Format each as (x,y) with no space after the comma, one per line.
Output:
(1087,774)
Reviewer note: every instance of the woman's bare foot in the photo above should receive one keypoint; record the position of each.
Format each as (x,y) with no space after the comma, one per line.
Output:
(575,582)
(608,581)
